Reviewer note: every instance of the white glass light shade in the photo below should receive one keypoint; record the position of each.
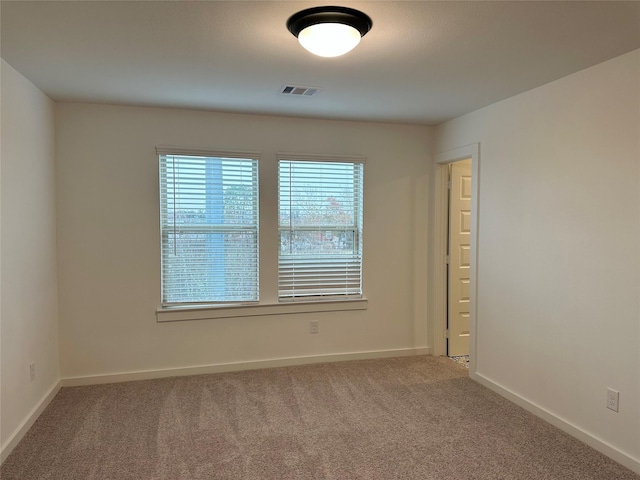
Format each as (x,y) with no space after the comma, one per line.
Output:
(329,39)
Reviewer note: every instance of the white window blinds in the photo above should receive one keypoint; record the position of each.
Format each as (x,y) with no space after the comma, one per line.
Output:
(320,225)
(209,227)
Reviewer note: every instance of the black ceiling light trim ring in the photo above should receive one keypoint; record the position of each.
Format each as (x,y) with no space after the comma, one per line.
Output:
(313,16)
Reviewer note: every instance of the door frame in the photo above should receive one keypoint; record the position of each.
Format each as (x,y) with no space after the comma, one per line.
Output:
(441,191)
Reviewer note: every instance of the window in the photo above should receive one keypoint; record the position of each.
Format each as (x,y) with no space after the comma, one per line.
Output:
(320,225)
(209,226)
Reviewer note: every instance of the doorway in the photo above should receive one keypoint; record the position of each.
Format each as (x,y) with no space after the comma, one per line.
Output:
(454,253)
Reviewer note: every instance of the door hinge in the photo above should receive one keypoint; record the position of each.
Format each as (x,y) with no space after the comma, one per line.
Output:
(447,259)
(449,184)
(446,333)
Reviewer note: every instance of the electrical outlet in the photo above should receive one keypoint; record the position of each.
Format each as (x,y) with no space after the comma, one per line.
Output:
(613,397)
(314,326)
(32,371)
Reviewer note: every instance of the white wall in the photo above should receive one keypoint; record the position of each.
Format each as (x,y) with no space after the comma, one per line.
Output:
(558,311)
(29,310)
(109,245)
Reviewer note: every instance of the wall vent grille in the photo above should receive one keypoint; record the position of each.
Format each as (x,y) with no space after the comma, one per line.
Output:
(299,90)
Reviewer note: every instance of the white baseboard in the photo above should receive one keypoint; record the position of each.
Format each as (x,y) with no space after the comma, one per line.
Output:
(24,427)
(567,427)
(236,366)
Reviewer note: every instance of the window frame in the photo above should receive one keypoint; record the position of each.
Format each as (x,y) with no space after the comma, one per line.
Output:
(213,311)
(168,151)
(356,227)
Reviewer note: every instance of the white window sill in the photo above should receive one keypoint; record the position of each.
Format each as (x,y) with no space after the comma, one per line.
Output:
(177,314)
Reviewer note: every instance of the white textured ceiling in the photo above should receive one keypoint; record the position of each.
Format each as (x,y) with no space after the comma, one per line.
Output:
(423,61)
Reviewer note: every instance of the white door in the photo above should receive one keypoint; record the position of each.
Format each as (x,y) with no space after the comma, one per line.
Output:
(459,258)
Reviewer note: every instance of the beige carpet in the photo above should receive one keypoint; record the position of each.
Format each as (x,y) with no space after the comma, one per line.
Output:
(405,418)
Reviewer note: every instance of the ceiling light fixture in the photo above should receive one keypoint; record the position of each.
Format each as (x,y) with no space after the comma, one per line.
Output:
(329,31)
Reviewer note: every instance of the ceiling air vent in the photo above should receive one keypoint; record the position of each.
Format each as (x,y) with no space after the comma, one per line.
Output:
(299,91)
